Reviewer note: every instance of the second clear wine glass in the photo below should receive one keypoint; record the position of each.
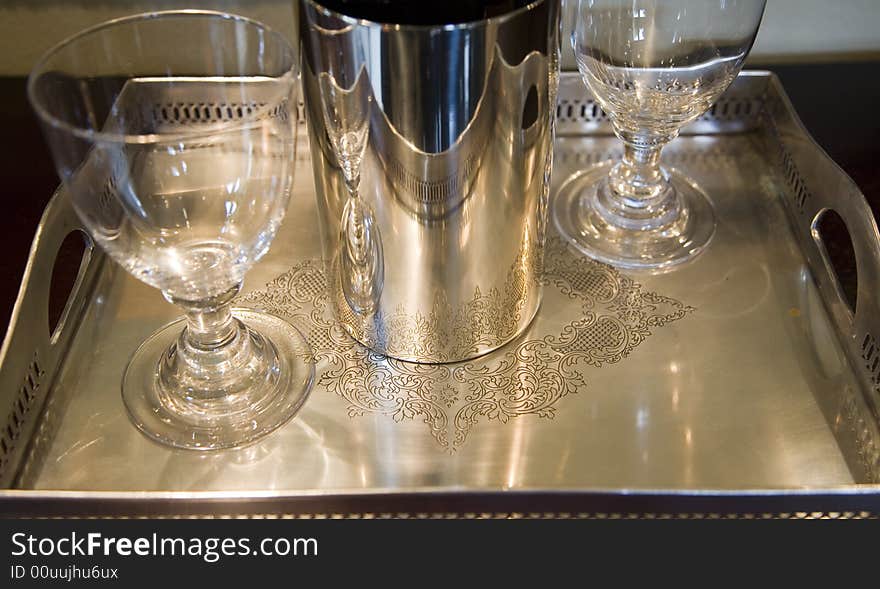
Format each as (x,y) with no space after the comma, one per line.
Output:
(653,66)
(172,133)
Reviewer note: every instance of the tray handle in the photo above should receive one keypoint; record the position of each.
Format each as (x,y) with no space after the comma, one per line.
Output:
(30,354)
(816,185)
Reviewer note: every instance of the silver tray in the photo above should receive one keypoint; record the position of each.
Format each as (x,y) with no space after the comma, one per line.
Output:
(740,384)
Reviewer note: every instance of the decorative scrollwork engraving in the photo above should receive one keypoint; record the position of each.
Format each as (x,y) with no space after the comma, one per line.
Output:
(606,315)
(489,319)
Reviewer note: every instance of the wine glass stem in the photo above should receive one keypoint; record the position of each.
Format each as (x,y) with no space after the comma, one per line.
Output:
(210,329)
(637,179)
(213,353)
(209,323)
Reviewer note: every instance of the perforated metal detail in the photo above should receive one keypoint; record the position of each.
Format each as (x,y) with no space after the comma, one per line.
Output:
(870,451)
(727,108)
(188,113)
(579,111)
(871,356)
(21,406)
(863,434)
(511,515)
(435,192)
(795,182)
(711,157)
(203,113)
(792,176)
(733,108)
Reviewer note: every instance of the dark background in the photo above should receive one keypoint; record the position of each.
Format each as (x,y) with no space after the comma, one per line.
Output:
(838,103)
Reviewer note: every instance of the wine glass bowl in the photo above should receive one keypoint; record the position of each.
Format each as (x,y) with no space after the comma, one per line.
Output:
(173,137)
(653,66)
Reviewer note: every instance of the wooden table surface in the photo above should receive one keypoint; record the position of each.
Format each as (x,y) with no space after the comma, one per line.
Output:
(838,103)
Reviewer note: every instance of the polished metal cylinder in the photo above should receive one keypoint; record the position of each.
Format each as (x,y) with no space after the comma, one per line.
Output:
(432,150)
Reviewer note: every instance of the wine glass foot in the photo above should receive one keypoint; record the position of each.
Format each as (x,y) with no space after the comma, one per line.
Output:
(251,399)
(682,232)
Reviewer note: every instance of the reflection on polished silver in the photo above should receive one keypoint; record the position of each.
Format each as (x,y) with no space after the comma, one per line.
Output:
(653,66)
(599,317)
(432,152)
(178,157)
(361,261)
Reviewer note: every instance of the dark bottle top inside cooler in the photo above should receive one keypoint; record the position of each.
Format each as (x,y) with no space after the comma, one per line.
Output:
(423,12)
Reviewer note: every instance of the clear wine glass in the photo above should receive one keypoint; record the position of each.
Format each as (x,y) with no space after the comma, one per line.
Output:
(653,66)
(172,134)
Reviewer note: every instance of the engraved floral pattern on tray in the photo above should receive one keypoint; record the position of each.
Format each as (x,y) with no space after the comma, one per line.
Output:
(610,315)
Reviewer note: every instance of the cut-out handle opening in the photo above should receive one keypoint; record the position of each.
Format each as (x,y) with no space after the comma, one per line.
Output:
(833,239)
(70,262)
